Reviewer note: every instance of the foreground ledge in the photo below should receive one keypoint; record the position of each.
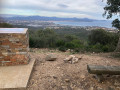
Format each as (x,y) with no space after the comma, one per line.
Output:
(15,76)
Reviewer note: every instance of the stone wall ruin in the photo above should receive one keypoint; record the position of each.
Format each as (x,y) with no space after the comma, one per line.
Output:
(14,46)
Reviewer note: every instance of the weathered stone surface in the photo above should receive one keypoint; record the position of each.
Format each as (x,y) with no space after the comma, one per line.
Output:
(14,48)
(72,59)
(15,77)
(51,57)
(5,46)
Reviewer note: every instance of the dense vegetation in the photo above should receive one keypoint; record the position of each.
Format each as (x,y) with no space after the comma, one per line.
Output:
(103,41)
(78,40)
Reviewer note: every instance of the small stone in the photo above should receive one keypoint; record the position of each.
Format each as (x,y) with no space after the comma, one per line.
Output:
(1,57)
(118,88)
(82,76)
(108,75)
(58,67)
(79,89)
(51,57)
(100,78)
(94,77)
(107,61)
(74,60)
(99,88)
(116,83)
(91,88)
(110,88)
(76,88)
(54,77)
(42,63)
(67,80)
(64,87)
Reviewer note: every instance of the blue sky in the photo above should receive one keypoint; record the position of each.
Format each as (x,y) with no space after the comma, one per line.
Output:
(59,8)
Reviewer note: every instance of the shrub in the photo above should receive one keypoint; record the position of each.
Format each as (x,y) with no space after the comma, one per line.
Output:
(108,48)
(62,48)
(70,45)
(102,41)
(99,36)
(60,43)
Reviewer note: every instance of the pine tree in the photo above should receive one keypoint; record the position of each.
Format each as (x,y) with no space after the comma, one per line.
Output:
(113,9)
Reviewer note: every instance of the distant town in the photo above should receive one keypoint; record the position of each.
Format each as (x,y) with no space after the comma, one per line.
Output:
(49,22)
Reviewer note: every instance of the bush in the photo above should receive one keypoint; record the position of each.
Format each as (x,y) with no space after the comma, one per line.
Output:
(102,41)
(43,38)
(60,43)
(70,45)
(62,48)
(96,48)
(99,36)
(99,41)
(108,48)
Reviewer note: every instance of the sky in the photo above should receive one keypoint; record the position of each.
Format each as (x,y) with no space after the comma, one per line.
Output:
(59,8)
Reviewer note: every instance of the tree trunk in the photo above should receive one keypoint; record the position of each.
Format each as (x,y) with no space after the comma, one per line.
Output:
(118,46)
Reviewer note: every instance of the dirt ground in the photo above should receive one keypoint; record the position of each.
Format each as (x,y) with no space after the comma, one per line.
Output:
(58,75)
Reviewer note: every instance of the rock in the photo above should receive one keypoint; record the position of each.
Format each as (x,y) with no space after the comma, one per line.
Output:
(42,63)
(99,88)
(110,88)
(108,75)
(91,88)
(67,80)
(118,88)
(51,57)
(69,58)
(82,76)
(78,89)
(116,83)
(58,67)
(68,50)
(64,87)
(100,78)
(54,77)
(94,76)
(72,59)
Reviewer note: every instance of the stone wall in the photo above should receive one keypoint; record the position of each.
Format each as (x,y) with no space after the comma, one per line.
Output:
(14,48)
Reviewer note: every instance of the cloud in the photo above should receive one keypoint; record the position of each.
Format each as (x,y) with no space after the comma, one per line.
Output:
(89,8)
(62,5)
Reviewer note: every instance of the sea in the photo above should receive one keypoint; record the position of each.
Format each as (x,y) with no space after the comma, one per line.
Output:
(101,23)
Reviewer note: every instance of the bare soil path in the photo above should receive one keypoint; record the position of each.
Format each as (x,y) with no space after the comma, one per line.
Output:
(57,75)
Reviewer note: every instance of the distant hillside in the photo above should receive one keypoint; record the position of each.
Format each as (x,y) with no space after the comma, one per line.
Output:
(43,18)
(9,15)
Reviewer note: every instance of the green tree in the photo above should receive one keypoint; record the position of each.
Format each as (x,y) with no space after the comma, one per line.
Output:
(70,37)
(99,36)
(113,9)
(101,40)
(43,38)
